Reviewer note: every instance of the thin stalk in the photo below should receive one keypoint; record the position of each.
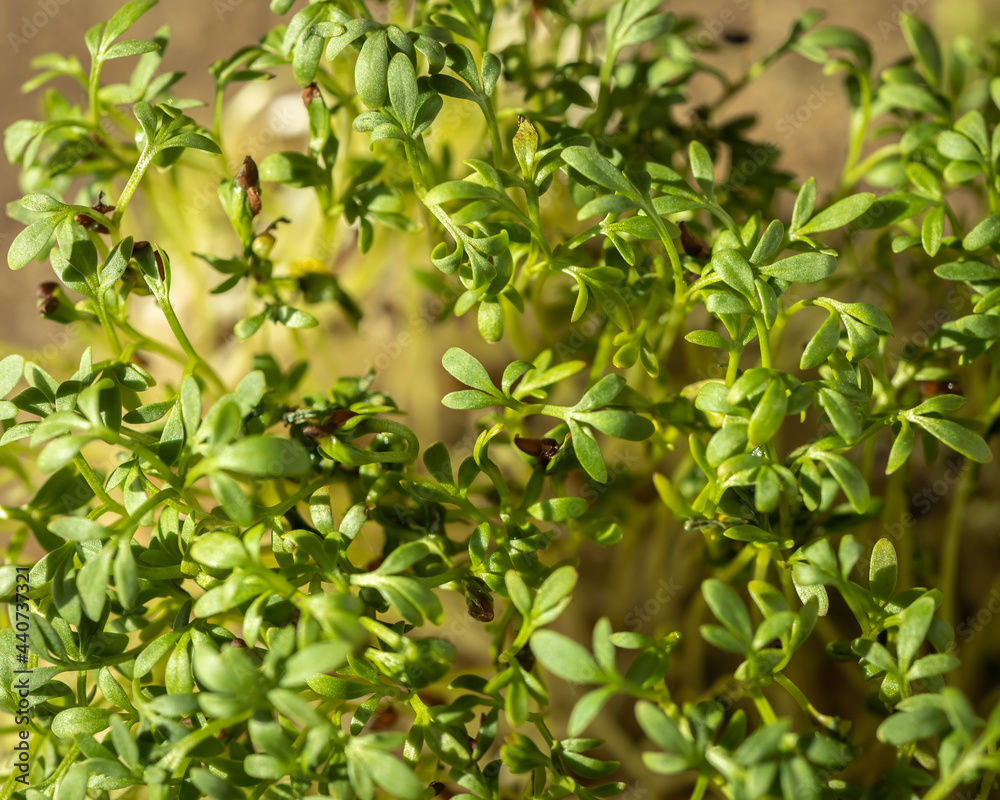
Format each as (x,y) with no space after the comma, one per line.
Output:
(763,335)
(108,326)
(733,368)
(858,134)
(950,546)
(88,474)
(93,86)
(496,143)
(830,723)
(767,715)
(133,183)
(946,783)
(185,343)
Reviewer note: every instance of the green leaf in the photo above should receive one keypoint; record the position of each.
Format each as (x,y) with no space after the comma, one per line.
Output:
(146,117)
(916,623)
(598,169)
(191,140)
(563,657)
(219,550)
(728,609)
(912,97)
(370,77)
(770,243)
(702,167)
(465,368)
(586,709)
(967,271)
(264,456)
(769,413)
(934,664)
(823,343)
(723,639)
(902,447)
(491,69)
(841,413)
(882,571)
(449,191)
(980,326)
(518,592)
(314,660)
(82,719)
(802,268)
(124,18)
(79,529)
(60,452)
(92,583)
(876,655)
(849,477)
(751,533)
(805,203)
(660,728)
(469,399)
(292,169)
(910,726)
(404,557)
(384,769)
(553,595)
(601,393)
(11,370)
(132,47)
(932,230)
(31,241)
(839,214)
(403,91)
(870,315)
(588,453)
(735,270)
(956,437)
(923,45)
(707,339)
(558,509)
(986,232)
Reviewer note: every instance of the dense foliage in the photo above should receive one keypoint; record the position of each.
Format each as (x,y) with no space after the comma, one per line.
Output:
(205,567)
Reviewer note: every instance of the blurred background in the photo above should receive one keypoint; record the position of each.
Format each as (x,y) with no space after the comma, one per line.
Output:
(645,582)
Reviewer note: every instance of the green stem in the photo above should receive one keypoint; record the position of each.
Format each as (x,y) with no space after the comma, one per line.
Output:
(858,134)
(733,368)
(828,722)
(946,783)
(93,86)
(496,143)
(68,761)
(133,183)
(767,715)
(165,473)
(763,335)
(217,123)
(185,343)
(950,546)
(679,306)
(96,486)
(600,117)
